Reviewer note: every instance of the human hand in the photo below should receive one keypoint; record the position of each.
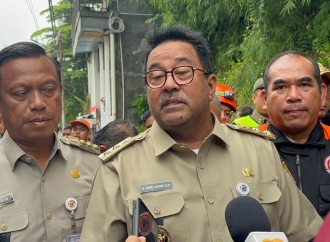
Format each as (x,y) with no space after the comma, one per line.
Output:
(133,238)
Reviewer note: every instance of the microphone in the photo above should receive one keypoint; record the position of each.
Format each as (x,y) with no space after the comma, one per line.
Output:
(247,221)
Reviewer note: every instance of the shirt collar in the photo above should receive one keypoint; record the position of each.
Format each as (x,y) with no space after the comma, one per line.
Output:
(162,141)
(13,152)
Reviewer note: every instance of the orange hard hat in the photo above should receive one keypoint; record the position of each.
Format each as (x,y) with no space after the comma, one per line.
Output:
(226,95)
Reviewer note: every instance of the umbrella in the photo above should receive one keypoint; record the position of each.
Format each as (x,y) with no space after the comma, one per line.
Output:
(93,108)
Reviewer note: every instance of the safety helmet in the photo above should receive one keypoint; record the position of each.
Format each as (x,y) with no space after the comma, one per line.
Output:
(226,95)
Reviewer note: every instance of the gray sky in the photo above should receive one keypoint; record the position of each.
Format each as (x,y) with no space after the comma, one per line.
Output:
(17,22)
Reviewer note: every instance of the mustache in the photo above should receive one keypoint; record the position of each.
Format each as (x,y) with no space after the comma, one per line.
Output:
(164,99)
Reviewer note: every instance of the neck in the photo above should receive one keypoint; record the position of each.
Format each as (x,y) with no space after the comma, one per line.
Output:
(39,150)
(192,135)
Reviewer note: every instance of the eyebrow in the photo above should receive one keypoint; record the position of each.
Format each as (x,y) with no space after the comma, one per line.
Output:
(159,64)
(303,79)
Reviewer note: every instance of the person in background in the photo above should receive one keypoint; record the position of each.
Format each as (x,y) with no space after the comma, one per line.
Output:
(215,107)
(147,119)
(227,99)
(80,129)
(188,166)
(324,114)
(66,132)
(113,133)
(293,95)
(259,115)
(45,181)
(245,111)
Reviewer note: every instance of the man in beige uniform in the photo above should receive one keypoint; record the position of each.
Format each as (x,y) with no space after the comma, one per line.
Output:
(38,172)
(187,167)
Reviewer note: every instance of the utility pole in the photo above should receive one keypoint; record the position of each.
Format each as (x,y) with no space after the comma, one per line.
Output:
(61,60)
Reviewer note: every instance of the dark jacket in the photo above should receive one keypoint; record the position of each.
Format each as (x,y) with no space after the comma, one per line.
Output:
(309,164)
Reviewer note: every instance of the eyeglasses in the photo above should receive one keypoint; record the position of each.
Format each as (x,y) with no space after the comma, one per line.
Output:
(181,75)
(227,94)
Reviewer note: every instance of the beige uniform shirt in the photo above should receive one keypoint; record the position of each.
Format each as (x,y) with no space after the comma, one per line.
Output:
(37,213)
(191,191)
(258,117)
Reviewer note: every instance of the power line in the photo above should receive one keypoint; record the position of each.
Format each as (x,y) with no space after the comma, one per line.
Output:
(30,6)
(52,18)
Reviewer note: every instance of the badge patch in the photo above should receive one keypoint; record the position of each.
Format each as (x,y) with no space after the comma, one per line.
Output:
(8,198)
(156,187)
(327,164)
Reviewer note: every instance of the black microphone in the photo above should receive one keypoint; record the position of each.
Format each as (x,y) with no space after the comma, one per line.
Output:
(245,215)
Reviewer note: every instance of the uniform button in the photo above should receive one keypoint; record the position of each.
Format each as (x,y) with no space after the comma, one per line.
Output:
(49,216)
(201,165)
(43,178)
(211,200)
(260,196)
(4,227)
(183,147)
(28,159)
(157,210)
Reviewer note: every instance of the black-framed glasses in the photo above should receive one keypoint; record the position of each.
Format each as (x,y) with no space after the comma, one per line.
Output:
(227,94)
(181,75)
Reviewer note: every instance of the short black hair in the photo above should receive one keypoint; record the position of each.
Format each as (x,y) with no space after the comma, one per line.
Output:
(179,33)
(146,115)
(68,127)
(25,50)
(317,74)
(245,111)
(114,132)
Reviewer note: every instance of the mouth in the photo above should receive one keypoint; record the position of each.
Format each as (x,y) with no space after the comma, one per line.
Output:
(39,121)
(171,102)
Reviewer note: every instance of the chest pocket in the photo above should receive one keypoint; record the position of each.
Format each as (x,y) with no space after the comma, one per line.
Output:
(265,193)
(13,220)
(168,206)
(324,199)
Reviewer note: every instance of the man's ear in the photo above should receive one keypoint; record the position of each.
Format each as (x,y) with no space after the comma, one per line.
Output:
(103,148)
(263,97)
(324,92)
(212,82)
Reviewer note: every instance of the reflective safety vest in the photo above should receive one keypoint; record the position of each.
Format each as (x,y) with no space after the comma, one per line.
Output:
(247,121)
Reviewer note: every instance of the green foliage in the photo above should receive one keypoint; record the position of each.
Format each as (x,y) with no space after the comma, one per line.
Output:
(245,34)
(140,106)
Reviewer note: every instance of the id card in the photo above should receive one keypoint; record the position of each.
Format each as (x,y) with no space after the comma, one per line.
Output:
(73,238)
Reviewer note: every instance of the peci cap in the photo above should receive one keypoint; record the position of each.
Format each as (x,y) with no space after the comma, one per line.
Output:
(324,71)
(81,121)
(259,84)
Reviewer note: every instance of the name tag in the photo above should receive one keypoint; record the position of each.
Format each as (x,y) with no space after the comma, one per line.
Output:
(8,198)
(156,187)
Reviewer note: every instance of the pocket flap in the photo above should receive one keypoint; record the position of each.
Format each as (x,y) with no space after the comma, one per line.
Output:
(325,192)
(81,210)
(262,192)
(162,205)
(13,220)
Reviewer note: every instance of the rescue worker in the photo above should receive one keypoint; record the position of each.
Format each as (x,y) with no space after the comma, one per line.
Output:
(324,114)
(45,183)
(227,99)
(259,115)
(293,95)
(188,166)
(81,129)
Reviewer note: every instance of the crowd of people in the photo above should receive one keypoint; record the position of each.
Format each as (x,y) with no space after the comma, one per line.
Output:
(192,160)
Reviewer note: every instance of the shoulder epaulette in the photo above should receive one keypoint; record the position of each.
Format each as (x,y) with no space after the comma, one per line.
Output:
(107,155)
(266,134)
(81,144)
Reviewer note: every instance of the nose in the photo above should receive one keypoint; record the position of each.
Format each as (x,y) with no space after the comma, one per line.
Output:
(170,83)
(294,94)
(36,101)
